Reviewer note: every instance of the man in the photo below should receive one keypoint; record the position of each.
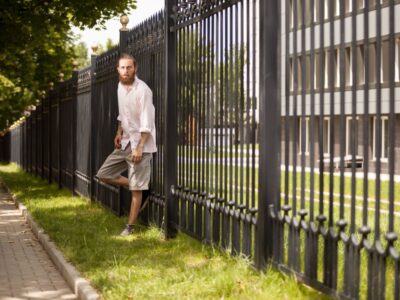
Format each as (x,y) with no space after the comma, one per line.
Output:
(135,140)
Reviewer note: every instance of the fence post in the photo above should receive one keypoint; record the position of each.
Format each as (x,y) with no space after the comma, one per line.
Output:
(49,139)
(74,105)
(59,86)
(123,42)
(170,147)
(269,173)
(25,145)
(123,34)
(92,123)
(42,140)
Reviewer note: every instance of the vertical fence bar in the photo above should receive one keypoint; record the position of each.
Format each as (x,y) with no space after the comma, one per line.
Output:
(191,142)
(269,132)
(29,140)
(74,104)
(311,242)
(92,124)
(392,117)
(170,147)
(49,140)
(200,133)
(292,235)
(60,88)
(321,81)
(342,119)
(123,39)
(42,134)
(216,215)
(279,255)
(208,130)
(366,122)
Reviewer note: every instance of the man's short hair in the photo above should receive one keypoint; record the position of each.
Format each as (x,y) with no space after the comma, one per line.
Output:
(127,56)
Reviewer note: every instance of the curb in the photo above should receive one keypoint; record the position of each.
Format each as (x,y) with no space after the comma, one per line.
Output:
(80,286)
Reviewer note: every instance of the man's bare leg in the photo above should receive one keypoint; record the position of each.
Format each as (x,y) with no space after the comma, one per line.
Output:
(121,180)
(135,206)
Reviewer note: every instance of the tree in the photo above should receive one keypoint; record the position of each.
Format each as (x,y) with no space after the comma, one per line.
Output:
(195,55)
(36,44)
(82,55)
(109,44)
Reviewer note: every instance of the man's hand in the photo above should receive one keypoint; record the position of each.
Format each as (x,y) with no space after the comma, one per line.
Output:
(117,141)
(137,154)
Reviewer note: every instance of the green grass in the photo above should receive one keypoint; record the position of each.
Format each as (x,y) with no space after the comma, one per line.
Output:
(144,265)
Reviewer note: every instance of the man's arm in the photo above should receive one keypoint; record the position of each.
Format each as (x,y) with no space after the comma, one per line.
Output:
(118,136)
(138,151)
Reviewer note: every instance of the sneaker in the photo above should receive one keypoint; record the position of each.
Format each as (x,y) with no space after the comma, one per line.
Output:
(127,230)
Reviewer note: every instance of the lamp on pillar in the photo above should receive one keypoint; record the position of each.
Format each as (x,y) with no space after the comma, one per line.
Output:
(94,47)
(75,65)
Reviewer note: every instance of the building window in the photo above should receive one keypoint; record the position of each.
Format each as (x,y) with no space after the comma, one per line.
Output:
(384,143)
(317,71)
(299,73)
(371,63)
(360,65)
(372,3)
(360,4)
(347,6)
(325,9)
(308,12)
(291,74)
(308,73)
(349,129)
(295,4)
(304,141)
(348,67)
(336,8)
(327,70)
(385,74)
(326,136)
(337,67)
(397,62)
(332,69)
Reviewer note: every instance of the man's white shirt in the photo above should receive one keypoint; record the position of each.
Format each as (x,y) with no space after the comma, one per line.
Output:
(137,114)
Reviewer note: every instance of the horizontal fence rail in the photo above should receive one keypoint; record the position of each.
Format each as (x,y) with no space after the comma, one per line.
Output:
(276,133)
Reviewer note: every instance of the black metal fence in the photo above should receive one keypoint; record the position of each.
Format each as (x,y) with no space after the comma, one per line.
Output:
(276,139)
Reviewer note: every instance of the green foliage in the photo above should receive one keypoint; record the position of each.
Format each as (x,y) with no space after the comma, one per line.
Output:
(82,55)
(8,92)
(144,265)
(212,85)
(104,48)
(109,44)
(36,45)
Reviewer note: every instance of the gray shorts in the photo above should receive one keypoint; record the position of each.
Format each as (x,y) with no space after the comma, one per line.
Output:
(121,160)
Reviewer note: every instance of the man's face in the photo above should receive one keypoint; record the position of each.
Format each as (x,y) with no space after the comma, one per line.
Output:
(126,71)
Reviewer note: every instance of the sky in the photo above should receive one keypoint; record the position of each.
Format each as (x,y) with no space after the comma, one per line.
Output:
(144,9)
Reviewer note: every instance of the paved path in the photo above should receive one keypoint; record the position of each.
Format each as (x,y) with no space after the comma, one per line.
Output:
(26,271)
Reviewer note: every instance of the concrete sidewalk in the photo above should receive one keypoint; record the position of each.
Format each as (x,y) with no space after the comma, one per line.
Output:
(26,271)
